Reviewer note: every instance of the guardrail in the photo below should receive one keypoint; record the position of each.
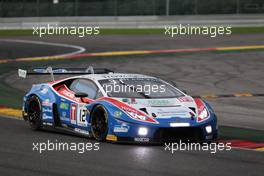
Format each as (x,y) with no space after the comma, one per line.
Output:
(135,21)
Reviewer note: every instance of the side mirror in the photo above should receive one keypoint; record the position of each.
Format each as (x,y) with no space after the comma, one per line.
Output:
(81,94)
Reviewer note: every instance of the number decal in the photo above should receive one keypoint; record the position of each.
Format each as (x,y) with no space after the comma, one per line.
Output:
(73,113)
(78,113)
(81,120)
(82,115)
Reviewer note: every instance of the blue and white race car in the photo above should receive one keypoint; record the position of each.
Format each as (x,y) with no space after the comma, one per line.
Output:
(118,107)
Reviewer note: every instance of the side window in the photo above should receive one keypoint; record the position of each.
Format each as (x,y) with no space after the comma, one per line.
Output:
(99,94)
(86,86)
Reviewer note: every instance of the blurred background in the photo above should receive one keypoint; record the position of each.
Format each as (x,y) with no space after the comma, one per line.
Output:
(23,14)
(27,8)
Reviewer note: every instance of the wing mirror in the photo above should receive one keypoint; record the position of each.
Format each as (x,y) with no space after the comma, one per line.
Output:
(81,94)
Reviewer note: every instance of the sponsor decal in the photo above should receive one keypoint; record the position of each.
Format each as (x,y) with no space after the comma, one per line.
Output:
(121,128)
(44,90)
(169,114)
(209,137)
(125,100)
(185,99)
(47,123)
(133,101)
(159,102)
(127,108)
(46,110)
(64,116)
(118,76)
(45,116)
(141,139)
(81,131)
(117,114)
(64,105)
(70,95)
(46,103)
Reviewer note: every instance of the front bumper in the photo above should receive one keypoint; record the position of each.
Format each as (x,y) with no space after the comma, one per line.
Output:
(157,134)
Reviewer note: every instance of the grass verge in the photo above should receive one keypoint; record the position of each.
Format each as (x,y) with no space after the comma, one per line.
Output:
(226,132)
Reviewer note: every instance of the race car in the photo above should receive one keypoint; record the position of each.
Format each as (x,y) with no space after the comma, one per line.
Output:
(117,107)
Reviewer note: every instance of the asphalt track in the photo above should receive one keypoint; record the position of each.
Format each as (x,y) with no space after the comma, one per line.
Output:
(18,157)
(202,73)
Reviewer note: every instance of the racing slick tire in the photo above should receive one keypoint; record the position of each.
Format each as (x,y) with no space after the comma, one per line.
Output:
(34,113)
(99,123)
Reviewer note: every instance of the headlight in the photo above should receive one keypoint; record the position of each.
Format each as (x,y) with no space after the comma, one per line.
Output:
(142,131)
(203,115)
(208,129)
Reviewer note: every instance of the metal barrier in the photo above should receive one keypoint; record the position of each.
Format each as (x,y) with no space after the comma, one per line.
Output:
(35,8)
(121,22)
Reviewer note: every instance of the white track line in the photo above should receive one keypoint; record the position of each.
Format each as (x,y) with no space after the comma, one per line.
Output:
(79,48)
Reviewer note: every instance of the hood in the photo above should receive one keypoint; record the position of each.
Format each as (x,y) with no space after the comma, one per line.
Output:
(182,107)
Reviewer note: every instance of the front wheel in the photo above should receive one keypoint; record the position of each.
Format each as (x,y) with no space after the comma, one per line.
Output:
(99,123)
(34,113)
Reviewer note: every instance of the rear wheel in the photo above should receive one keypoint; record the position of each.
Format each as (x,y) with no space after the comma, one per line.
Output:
(34,113)
(99,123)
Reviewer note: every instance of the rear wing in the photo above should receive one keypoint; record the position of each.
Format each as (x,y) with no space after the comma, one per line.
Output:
(62,71)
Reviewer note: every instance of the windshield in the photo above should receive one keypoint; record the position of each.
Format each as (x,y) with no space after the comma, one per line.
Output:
(139,88)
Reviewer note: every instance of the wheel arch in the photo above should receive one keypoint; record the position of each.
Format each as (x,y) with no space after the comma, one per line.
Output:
(42,97)
(93,109)
(26,102)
